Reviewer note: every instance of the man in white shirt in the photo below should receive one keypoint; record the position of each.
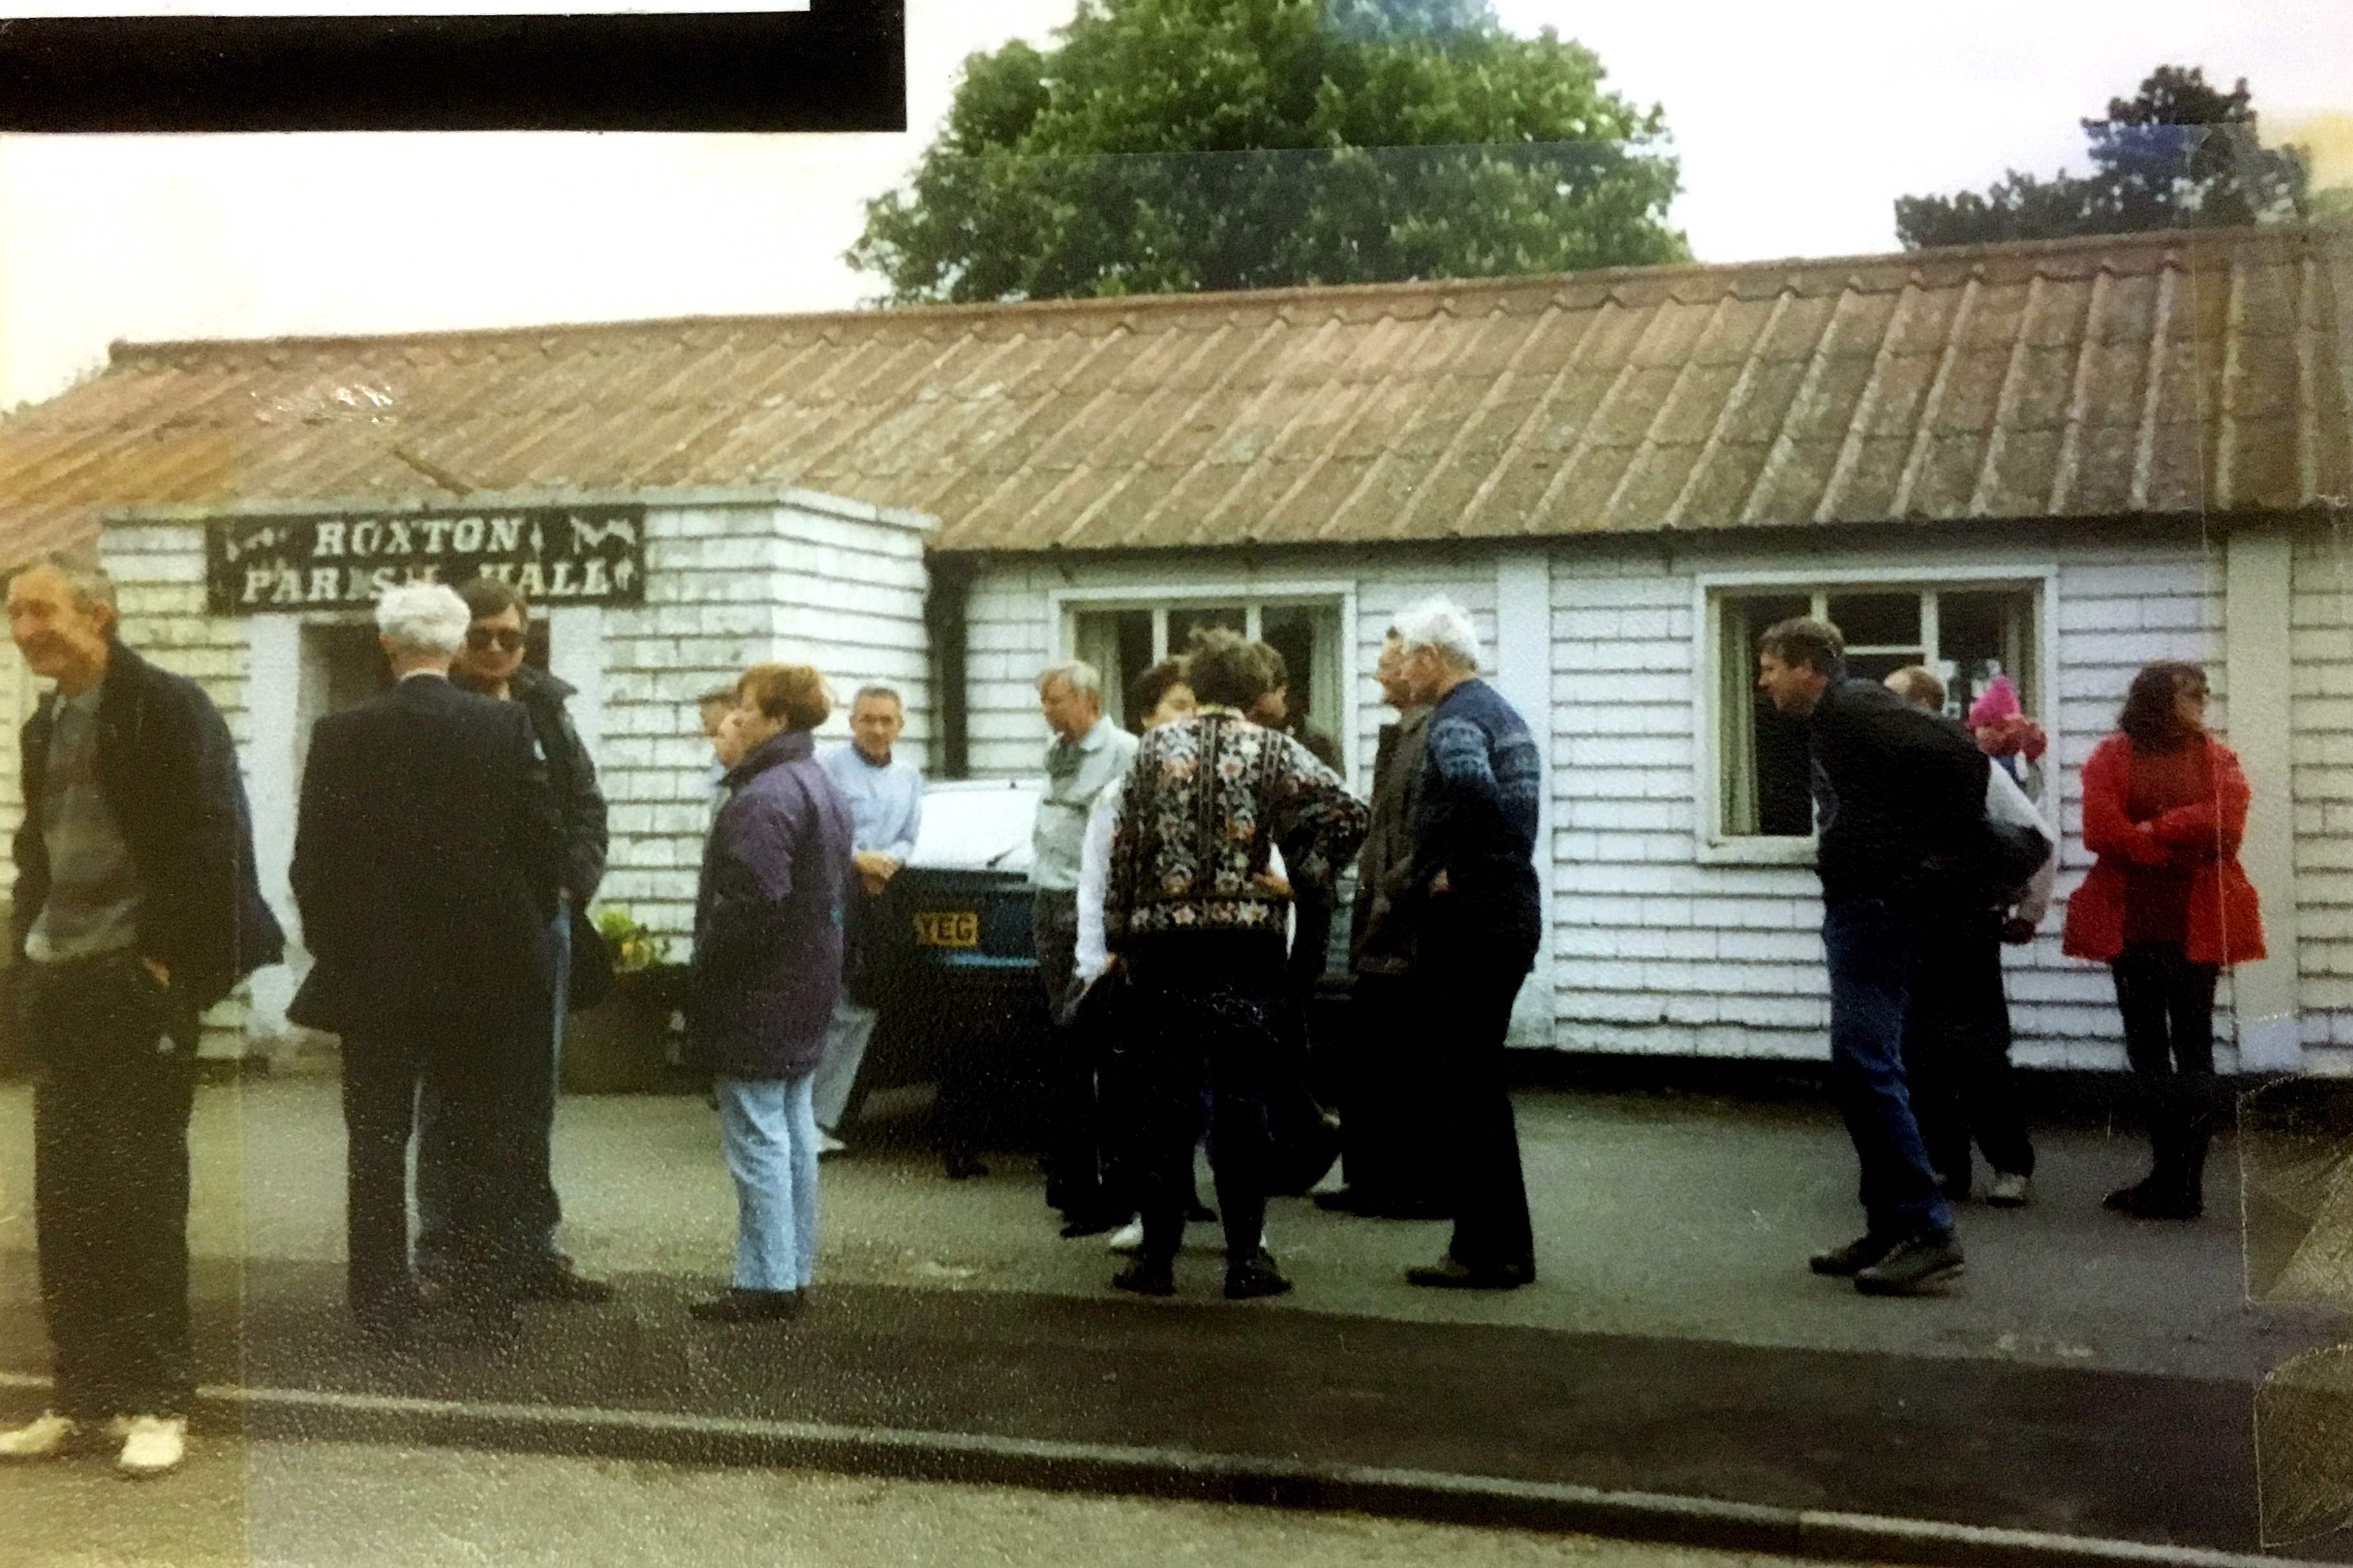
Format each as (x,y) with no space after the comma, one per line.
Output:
(1087,753)
(886,814)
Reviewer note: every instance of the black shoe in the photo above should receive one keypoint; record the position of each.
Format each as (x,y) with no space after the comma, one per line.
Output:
(963,1166)
(1424,1211)
(562,1282)
(1915,1267)
(1092,1222)
(1448,1274)
(1346,1200)
(2146,1200)
(1145,1278)
(1199,1213)
(1253,1277)
(1846,1262)
(736,1305)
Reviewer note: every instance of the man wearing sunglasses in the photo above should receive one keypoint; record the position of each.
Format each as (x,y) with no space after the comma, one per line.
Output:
(491,663)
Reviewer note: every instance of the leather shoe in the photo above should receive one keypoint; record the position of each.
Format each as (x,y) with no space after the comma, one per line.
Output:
(1145,1278)
(562,1282)
(1448,1274)
(1253,1277)
(1403,1209)
(2145,1200)
(737,1305)
(1344,1200)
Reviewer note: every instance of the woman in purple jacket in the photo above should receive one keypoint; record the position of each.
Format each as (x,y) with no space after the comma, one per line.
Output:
(767,962)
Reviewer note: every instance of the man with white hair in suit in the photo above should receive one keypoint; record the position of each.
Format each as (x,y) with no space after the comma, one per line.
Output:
(1472,872)
(427,853)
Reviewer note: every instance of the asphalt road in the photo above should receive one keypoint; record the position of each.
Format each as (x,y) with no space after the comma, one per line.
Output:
(333,1505)
(2092,1376)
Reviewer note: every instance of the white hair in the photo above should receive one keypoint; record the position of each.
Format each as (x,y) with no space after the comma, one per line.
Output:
(423,617)
(1444,627)
(1084,677)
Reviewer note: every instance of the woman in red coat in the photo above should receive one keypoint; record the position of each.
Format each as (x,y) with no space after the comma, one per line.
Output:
(2166,908)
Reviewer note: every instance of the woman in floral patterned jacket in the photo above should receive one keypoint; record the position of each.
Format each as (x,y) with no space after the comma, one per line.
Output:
(1197,919)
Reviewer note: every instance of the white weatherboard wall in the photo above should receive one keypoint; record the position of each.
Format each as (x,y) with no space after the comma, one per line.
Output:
(729,582)
(1659,948)
(2321,644)
(806,579)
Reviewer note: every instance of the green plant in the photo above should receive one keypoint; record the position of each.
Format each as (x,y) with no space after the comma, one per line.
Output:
(633,947)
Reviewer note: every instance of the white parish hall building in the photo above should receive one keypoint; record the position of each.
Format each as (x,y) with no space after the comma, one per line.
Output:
(2055,460)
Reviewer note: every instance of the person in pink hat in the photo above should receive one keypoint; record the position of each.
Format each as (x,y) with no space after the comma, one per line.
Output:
(2004,733)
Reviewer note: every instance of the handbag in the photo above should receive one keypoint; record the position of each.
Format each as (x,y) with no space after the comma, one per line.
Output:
(591,964)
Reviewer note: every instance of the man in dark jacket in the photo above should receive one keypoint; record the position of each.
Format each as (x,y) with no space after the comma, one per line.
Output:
(1897,795)
(427,859)
(1480,919)
(136,910)
(1385,1144)
(491,665)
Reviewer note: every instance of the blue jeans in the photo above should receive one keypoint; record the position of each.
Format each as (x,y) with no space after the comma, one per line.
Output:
(1870,944)
(535,1113)
(769,1134)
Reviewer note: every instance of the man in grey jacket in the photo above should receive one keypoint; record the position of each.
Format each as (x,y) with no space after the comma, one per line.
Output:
(1087,754)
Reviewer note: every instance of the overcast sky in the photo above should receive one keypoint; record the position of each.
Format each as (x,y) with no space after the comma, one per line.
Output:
(1798,124)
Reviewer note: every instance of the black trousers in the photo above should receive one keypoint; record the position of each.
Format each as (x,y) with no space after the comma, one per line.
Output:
(1957,1049)
(2168,1003)
(1384,1122)
(1204,1012)
(1472,976)
(478,1066)
(1075,1135)
(115,1064)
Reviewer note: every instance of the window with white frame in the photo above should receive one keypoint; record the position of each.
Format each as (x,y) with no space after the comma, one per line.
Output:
(1124,638)
(1967,634)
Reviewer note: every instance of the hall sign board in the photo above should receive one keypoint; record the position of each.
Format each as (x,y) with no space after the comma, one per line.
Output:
(552,555)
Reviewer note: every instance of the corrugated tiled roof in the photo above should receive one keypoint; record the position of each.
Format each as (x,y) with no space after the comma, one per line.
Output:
(2139,374)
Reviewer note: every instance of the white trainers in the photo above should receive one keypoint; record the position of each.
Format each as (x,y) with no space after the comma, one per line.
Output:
(827,1145)
(152,1445)
(1128,1238)
(2008,1190)
(41,1438)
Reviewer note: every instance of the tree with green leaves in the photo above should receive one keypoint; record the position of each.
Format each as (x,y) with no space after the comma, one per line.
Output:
(1172,146)
(2177,154)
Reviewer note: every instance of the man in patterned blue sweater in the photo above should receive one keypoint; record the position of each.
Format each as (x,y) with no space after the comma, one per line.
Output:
(1474,833)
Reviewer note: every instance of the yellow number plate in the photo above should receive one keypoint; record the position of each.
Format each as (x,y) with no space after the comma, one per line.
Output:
(947,928)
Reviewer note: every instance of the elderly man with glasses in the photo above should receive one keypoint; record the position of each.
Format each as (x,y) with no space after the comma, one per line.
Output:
(492,663)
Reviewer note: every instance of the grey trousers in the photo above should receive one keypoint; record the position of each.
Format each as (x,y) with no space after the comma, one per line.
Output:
(836,1071)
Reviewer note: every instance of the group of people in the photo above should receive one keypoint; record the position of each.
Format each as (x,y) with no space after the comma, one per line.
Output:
(1186,879)
(451,834)
(1931,858)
